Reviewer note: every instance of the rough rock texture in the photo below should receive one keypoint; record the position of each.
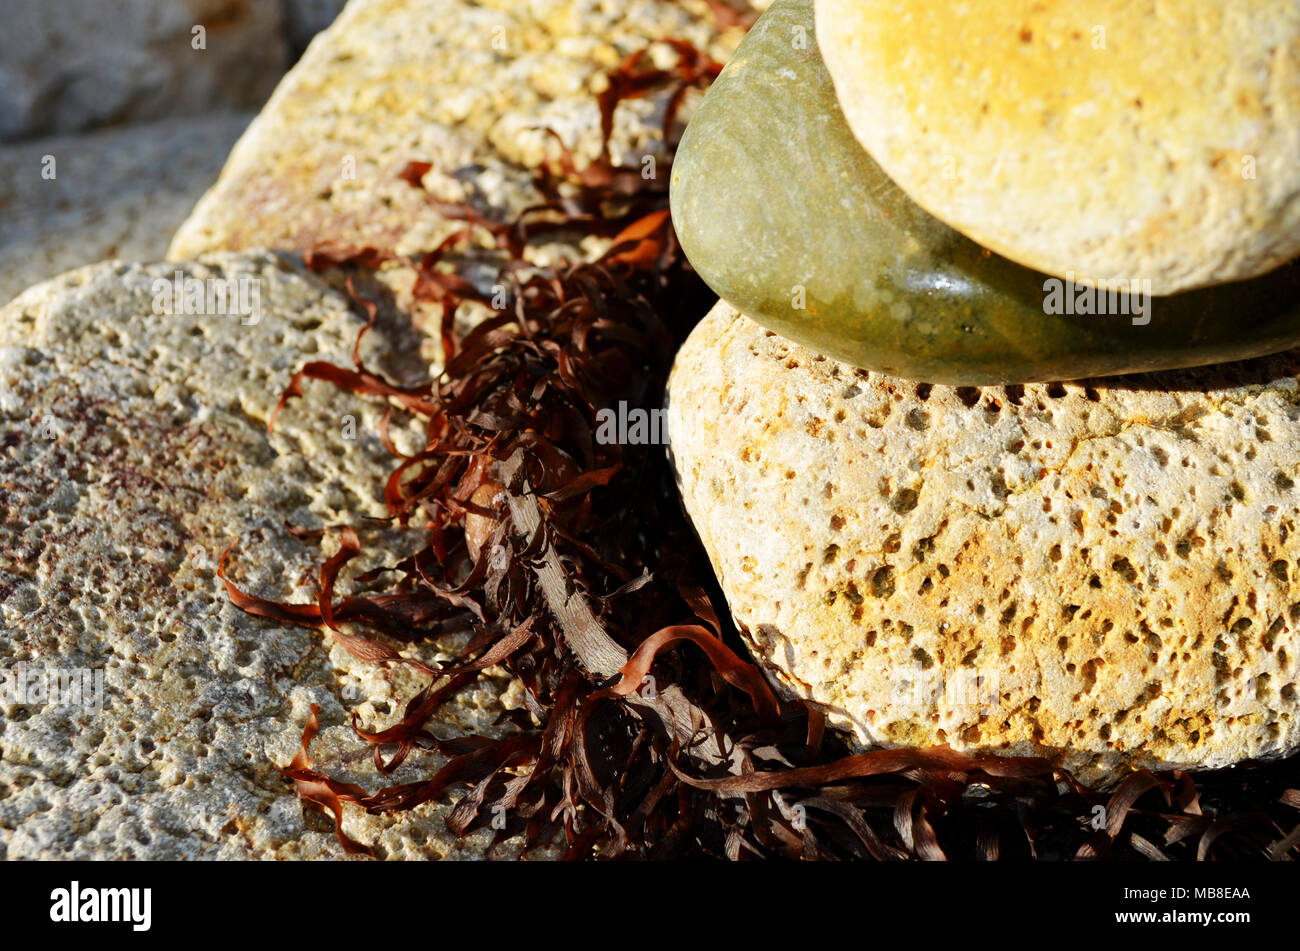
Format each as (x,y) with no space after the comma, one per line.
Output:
(116,193)
(470,87)
(1114,139)
(133,450)
(77,64)
(1107,573)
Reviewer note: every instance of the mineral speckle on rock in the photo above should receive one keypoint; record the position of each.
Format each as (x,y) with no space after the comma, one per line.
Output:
(158,456)
(133,451)
(476,89)
(1102,572)
(470,87)
(1170,154)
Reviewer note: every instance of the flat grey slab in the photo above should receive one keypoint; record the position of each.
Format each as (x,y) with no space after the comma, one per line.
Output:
(72,65)
(116,193)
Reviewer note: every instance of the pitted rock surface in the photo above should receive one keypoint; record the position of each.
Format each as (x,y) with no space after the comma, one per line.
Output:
(476,89)
(133,451)
(1106,573)
(471,87)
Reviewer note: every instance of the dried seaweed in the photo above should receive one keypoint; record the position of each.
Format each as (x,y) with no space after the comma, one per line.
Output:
(647,734)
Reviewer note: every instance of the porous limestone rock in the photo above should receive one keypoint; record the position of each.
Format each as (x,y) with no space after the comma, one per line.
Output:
(472,88)
(78,64)
(73,200)
(133,451)
(1106,573)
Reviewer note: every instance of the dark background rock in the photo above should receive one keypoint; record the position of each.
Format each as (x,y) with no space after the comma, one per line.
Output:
(79,64)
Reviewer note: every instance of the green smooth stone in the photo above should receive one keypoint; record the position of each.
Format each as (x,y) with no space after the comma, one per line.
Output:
(771,192)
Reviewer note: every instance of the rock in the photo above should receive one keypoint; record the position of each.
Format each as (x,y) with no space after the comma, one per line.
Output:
(117,193)
(786,216)
(1106,573)
(470,87)
(78,64)
(133,451)
(1078,138)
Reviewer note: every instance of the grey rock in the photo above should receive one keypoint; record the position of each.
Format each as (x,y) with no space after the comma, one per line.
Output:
(133,451)
(77,64)
(115,193)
